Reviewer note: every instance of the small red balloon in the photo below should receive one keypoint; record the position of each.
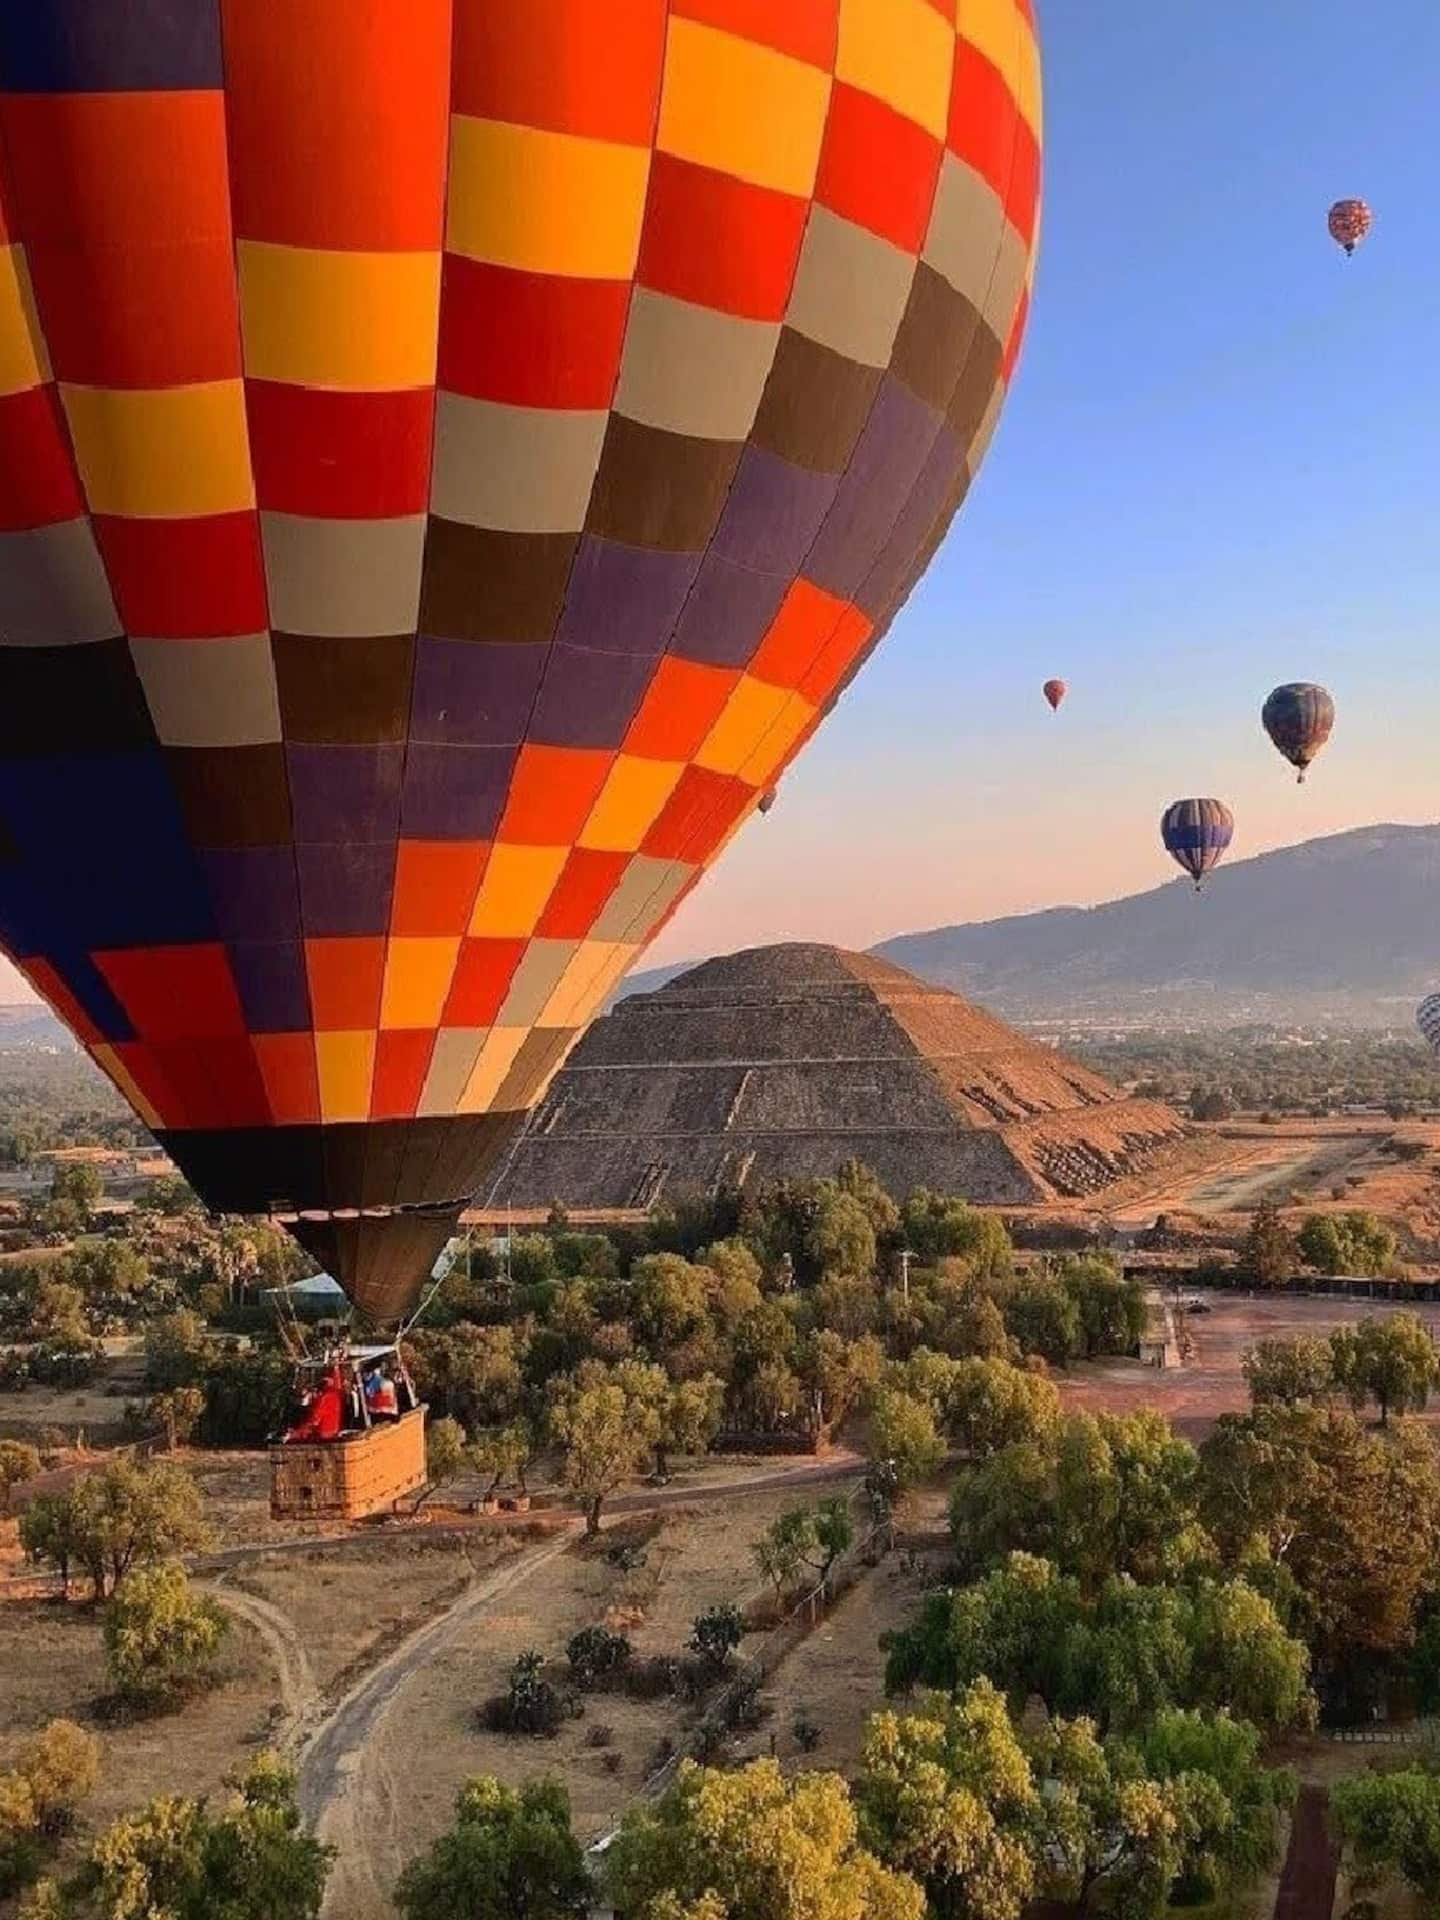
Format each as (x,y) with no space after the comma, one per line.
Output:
(1054,691)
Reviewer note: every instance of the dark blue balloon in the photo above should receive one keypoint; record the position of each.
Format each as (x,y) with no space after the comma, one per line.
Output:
(1196,834)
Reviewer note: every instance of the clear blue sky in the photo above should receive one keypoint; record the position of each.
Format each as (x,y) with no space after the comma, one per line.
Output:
(1220,468)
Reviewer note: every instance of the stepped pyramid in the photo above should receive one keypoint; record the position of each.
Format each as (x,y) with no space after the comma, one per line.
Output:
(785,1061)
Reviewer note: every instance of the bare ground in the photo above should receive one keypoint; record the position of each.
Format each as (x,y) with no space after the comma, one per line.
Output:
(835,1678)
(1194,1396)
(394,1790)
(53,1665)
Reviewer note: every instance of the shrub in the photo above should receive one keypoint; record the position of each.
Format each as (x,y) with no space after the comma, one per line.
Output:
(715,1634)
(529,1705)
(652,1679)
(599,1736)
(596,1656)
(160,1637)
(807,1733)
(18,1463)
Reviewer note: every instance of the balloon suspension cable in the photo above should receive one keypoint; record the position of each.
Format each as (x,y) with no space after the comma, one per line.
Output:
(424,1305)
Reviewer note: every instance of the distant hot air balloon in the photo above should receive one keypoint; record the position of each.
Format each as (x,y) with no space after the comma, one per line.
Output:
(1196,834)
(1299,718)
(446,472)
(767,800)
(1350,222)
(1054,691)
(1427,1018)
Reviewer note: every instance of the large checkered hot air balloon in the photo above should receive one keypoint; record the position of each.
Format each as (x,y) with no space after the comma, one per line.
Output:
(452,455)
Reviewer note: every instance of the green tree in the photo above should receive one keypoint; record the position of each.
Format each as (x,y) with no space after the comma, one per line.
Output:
(992,1405)
(1289,1373)
(1390,1825)
(947,1796)
(177,1350)
(447,1451)
(78,1182)
(1004,1504)
(1349,1243)
(750,1845)
(690,1417)
(1229,1813)
(161,1638)
(472,1374)
(1269,1253)
(1110,1838)
(119,1516)
(1111,1307)
(856,1179)
(669,1302)
(54,1772)
(782,1552)
(1043,1317)
(19,1462)
(503,1453)
(839,1237)
(608,1422)
(939,1227)
(903,1433)
(715,1634)
(57,1314)
(1389,1359)
(1351,1517)
(113,1270)
(254,1861)
(511,1855)
(839,1373)
(1011,1627)
(177,1414)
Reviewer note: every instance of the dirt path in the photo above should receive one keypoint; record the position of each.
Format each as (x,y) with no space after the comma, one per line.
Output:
(1307,1884)
(300,1698)
(346,1789)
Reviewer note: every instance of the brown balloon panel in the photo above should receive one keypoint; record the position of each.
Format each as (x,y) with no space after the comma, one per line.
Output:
(373,1204)
(452,458)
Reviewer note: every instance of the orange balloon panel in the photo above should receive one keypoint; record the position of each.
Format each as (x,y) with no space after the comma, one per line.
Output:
(451,458)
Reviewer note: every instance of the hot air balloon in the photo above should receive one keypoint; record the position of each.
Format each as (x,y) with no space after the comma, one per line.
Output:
(1054,691)
(1299,718)
(1196,834)
(451,455)
(767,800)
(1427,1018)
(1350,222)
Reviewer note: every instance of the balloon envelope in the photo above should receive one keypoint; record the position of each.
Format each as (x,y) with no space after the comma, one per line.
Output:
(1299,718)
(1196,834)
(451,455)
(1350,222)
(1054,691)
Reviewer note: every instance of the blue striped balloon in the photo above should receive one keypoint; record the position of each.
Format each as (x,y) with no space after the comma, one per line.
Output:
(1299,717)
(1196,834)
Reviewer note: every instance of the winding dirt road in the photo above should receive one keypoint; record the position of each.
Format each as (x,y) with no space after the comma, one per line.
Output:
(301,1703)
(346,1790)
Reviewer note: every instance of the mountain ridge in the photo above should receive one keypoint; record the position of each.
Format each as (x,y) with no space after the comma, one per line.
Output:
(1343,928)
